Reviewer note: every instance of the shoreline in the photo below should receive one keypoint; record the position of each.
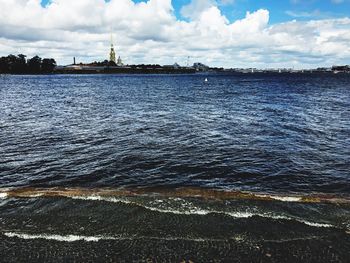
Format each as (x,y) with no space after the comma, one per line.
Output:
(180,192)
(178,72)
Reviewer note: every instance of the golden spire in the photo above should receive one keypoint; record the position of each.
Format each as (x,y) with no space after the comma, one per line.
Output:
(112,52)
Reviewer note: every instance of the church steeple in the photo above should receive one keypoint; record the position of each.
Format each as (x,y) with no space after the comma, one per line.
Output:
(112,52)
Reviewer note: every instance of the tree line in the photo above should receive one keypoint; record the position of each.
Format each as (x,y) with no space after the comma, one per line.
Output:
(21,65)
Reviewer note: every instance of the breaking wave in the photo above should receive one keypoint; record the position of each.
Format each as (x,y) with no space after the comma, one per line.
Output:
(66,238)
(179,205)
(74,238)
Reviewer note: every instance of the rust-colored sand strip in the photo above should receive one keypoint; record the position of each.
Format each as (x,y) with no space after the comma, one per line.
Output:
(188,192)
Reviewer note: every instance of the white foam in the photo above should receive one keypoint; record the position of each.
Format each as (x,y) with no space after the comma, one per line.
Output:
(287,198)
(240,214)
(236,215)
(118,200)
(35,195)
(67,238)
(102,198)
(74,238)
(4,195)
(315,224)
(282,198)
(179,212)
(191,210)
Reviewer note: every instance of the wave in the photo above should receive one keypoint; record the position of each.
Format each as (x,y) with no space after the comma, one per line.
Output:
(176,192)
(316,224)
(191,210)
(67,238)
(74,238)
(121,195)
(283,198)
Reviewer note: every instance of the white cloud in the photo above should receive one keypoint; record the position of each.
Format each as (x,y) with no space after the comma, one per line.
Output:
(149,32)
(195,8)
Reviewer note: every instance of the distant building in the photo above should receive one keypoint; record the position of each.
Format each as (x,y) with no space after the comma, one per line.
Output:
(200,67)
(119,62)
(341,69)
(112,54)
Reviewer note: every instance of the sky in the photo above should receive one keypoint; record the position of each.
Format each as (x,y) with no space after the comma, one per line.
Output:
(228,33)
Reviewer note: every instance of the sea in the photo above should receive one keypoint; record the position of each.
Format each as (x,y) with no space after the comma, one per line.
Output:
(173,168)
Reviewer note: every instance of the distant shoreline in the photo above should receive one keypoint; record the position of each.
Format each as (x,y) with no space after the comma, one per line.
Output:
(123,70)
(180,72)
(19,65)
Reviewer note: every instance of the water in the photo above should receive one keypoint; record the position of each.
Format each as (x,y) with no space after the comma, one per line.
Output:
(170,168)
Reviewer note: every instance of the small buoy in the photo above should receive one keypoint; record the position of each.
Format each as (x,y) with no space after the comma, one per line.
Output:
(206,80)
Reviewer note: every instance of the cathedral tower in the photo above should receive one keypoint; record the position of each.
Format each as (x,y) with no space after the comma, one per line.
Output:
(112,52)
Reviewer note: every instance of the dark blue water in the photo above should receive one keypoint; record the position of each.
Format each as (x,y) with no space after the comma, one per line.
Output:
(152,168)
(286,133)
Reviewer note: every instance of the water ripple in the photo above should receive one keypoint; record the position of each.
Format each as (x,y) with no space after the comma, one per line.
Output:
(272,134)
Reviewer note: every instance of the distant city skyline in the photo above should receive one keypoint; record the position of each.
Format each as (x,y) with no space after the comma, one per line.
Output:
(228,33)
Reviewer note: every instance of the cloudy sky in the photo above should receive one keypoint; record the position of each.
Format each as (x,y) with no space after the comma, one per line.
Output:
(229,33)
